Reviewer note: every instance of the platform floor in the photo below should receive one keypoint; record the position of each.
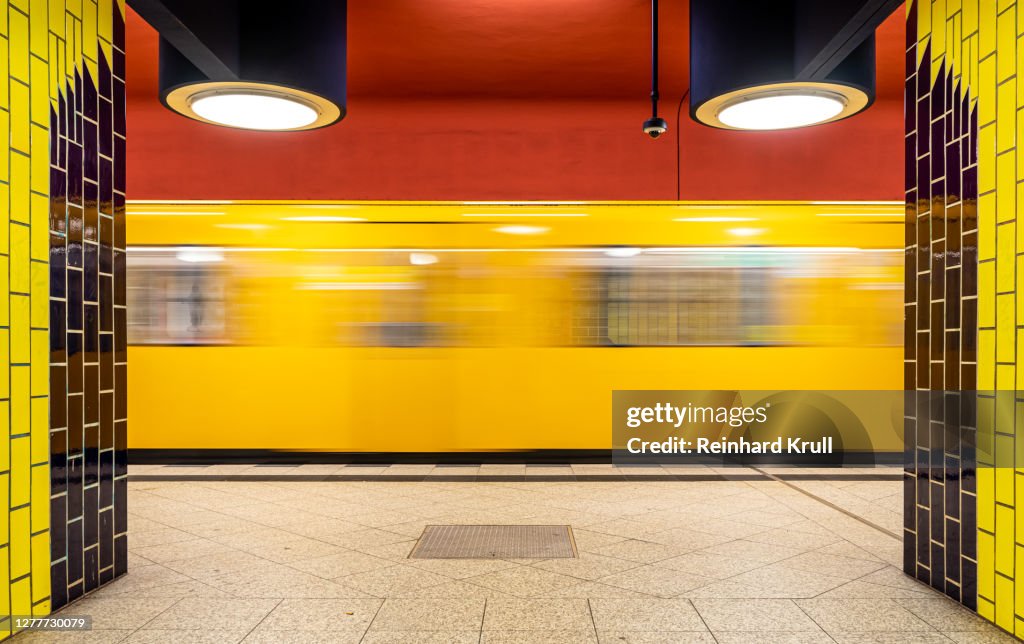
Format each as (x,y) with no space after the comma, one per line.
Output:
(660,562)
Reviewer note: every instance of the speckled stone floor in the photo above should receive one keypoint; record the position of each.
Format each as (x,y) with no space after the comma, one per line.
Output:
(727,561)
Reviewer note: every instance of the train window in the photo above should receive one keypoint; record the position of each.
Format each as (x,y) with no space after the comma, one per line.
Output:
(734,297)
(176,296)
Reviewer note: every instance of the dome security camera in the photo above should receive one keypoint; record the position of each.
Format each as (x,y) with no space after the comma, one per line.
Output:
(655,127)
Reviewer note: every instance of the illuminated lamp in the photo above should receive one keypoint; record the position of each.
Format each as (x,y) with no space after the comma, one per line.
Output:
(246,65)
(781,65)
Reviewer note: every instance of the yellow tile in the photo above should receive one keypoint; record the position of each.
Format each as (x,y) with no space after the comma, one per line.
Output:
(1005,328)
(986,499)
(5,374)
(1019,524)
(5,600)
(1020,379)
(986,566)
(106,24)
(40,498)
(5,299)
(1004,602)
(1018,590)
(986,359)
(41,563)
(90,41)
(938,33)
(41,434)
(987,226)
(20,118)
(4,78)
(1005,481)
(5,446)
(1005,374)
(18,36)
(986,90)
(987,27)
(45,607)
(5,163)
(40,28)
(20,275)
(40,362)
(21,471)
(1006,116)
(970,16)
(39,232)
(1007,41)
(20,330)
(21,549)
(56,16)
(1006,187)
(40,309)
(986,158)
(21,591)
(21,421)
(20,188)
(1006,257)
(40,160)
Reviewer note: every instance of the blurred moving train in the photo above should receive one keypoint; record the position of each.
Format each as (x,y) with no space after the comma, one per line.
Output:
(445,327)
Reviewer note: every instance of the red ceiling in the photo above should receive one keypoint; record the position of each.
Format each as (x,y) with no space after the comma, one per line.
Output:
(491,99)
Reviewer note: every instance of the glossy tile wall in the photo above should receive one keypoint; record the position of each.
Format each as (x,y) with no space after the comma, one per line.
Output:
(962,61)
(940,308)
(87,299)
(24,185)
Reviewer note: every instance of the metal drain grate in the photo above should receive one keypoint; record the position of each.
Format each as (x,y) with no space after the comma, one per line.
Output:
(495,542)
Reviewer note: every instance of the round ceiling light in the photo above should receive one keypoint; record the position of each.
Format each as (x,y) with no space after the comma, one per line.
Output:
(253,111)
(781,111)
(252,106)
(782,106)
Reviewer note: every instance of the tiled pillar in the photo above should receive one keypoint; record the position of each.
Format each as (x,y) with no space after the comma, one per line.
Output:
(964,307)
(59,172)
(87,307)
(24,182)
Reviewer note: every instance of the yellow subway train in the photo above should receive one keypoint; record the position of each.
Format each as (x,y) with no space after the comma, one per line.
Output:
(459,327)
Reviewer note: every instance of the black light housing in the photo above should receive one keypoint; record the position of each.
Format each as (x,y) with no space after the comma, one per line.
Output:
(238,63)
(781,64)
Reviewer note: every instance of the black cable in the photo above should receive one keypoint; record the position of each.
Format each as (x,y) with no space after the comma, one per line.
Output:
(654,58)
(679,126)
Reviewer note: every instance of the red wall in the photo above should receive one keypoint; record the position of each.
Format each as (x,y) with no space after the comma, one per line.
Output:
(573,143)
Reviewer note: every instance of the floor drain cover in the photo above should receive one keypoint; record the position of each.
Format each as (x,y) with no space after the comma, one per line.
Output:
(495,542)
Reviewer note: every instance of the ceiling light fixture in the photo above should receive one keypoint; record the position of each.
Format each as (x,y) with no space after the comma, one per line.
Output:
(785,64)
(522,230)
(422,259)
(503,215)
(712,219)
(239,65)
(199,255)
(745,232)
(326,219)
(623,251)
